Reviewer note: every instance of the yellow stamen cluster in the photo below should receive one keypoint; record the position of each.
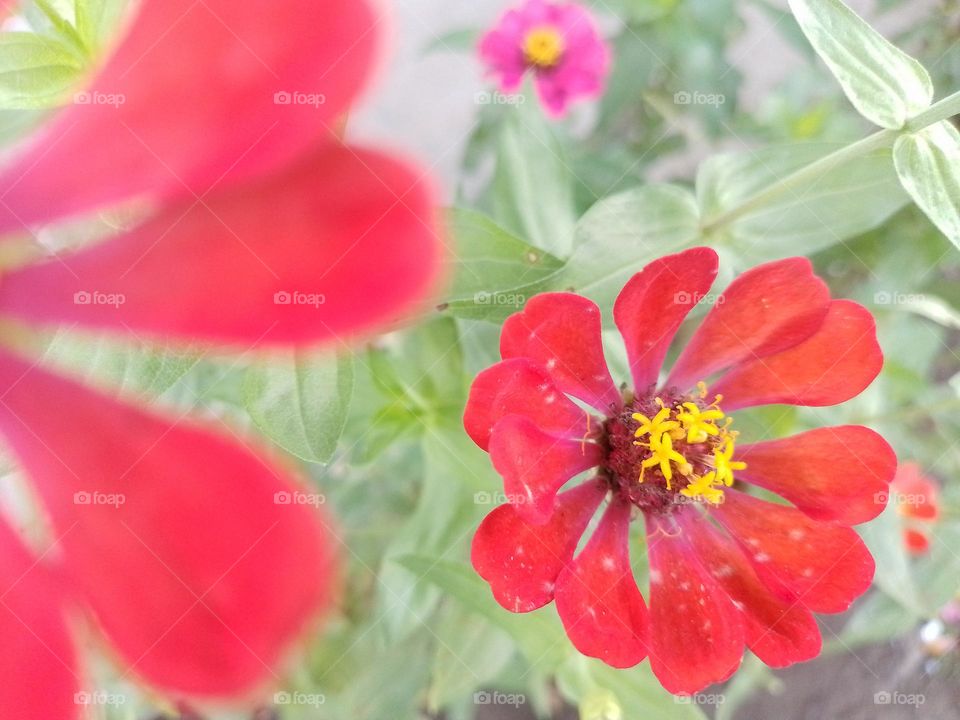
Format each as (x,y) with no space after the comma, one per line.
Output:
(543,47)
(691,425)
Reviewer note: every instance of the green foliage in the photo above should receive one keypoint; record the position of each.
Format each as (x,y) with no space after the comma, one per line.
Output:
(928,163)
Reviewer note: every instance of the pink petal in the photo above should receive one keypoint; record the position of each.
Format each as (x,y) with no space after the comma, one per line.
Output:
(654,302)
(780,633)
(598,599)
(185,545)
(521,561)
(764,311)
(834,474)
(834,365)
(561,333)
(696,631)
(821,566)
(535,464)
(518,387)
(37,662)
(336,245)
(146,126)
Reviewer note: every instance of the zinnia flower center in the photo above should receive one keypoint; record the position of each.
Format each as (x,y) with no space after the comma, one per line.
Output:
(667,450)
(543,47)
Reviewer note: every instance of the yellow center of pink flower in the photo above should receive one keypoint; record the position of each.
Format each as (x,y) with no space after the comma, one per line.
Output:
(543,47)
(691,441)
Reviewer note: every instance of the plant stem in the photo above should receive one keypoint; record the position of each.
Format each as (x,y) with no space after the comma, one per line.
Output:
(805,176)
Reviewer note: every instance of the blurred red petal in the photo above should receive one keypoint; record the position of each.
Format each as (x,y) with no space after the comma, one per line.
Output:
(696,631)
(823,567)
(780,633)
(834,365)
(654,302)
(766,310)
(518,387)
(598,599)
(833,474)
(179,541)
(561,333)
(521,561)
(196,95)
(37,661)
(535,464)
(333,246)
(916,542)
(915,495)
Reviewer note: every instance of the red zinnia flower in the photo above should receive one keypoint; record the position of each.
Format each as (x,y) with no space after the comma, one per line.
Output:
(214,117)
(917,499)
(726,568)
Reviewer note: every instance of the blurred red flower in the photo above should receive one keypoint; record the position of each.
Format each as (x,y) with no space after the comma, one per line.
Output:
(262,230)
(917,499)
(726,568)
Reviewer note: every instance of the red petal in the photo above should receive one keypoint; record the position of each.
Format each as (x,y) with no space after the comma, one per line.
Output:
(37,662)
(598,599)
(518,387)
(535,464)
(148,127)
(779,633)
(915,495)
(181,542)
(324,250)
(834,474)
(766,310)
(823,567)
(916,542)
(654,302)
(521,561)
(696,632)
(832,366)
(561,333)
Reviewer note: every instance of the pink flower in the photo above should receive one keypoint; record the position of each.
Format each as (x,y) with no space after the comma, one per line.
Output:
(558,42)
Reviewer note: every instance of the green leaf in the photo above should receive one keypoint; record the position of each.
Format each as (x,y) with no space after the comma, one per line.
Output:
(300,401)
(887,86)
(928,163)
(97,19)
(488,264)
(533,185)
(622,233)
(847,200)
(35,71)
(120,367)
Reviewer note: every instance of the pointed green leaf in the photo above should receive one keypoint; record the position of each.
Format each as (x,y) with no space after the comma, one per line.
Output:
(35,71)
(887,86)
(928,163)
(300,401)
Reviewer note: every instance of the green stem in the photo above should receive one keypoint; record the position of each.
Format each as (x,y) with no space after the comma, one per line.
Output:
(809,174)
